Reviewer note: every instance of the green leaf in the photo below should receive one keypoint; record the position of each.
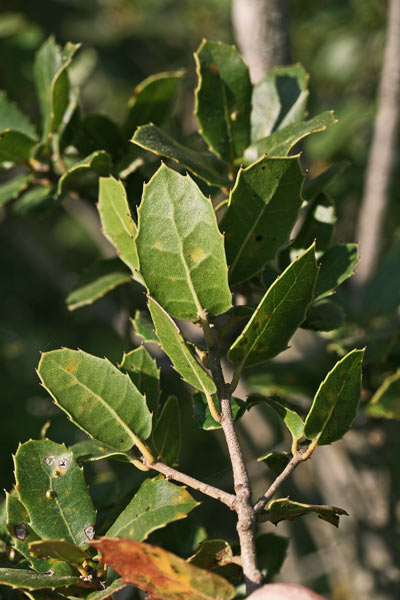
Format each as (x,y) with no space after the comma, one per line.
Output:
(161,573)
(223,99)
(143,371)
(35,200)
(144,327)
(99,162)
(12,188)
(22,533)
(279,313)
(156,503)
(202,164)
(279,99)
(12,119)
(152,100)
(284,509)
(262,210)
(29,580)
(180,249)
(116,219)
(282,141)
(271,552)
(385,403)
(216,556)
(115,586)
(175,347)
(335,404)
(52,83)
(15,147)
(292,420)
(202,414)
(313,187)
(98,132)
(90,450)
(337,264)
(96,281)
(276,461)
(97,396)
(52,488)
(59,549)
(323,315)
(167,432)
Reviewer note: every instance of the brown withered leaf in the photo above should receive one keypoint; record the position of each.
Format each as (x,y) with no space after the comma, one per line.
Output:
(162,574)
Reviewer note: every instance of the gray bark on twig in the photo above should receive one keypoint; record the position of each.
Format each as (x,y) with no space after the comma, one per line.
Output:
(382,153)
(262,33)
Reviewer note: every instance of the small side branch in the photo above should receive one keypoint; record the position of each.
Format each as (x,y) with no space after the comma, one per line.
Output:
(205,488)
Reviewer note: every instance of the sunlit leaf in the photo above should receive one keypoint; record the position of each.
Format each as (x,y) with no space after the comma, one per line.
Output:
(59,549)
(98,162)
(29,580)
(284,509)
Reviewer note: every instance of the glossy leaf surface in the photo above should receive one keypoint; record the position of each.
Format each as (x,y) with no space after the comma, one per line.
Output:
(117,222)
(282,141)
(97,396)
(59,549)
(178,351)
(152,100)
(167,432)
(29,580)
(12,188)
(385,403)
(279,99)
(98,162)
(279,313)
(143,371)
(262,210)
(180,249)
(161,573)
(337,265)
(53,490)
(223,99)
(99,279)
(336,402)
(284,509)
(202,164)
(156,503)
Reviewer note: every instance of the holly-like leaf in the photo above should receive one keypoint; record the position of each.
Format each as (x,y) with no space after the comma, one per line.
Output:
(278,314)
(144,327)
(178,351)
(36,199)
(202,414)
(96,281)
(29,580)
(385,403)
(336,402)
(115,586)
(217,556)
(223,99)
(263,207)
(156,503)
(337,265)
(161,573)
(284,509)
(323,315)
(282,141)
(98,398)
(52,488)
(271,552)
(276,461)
(90,450)
(12,188)
(52,83)
(98,162)
(167,432)
(116,219)
(22,533)
(202,164)
(279,99)
(180,249)
(152,100)
(143,371)
(290,418)
(58,549)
